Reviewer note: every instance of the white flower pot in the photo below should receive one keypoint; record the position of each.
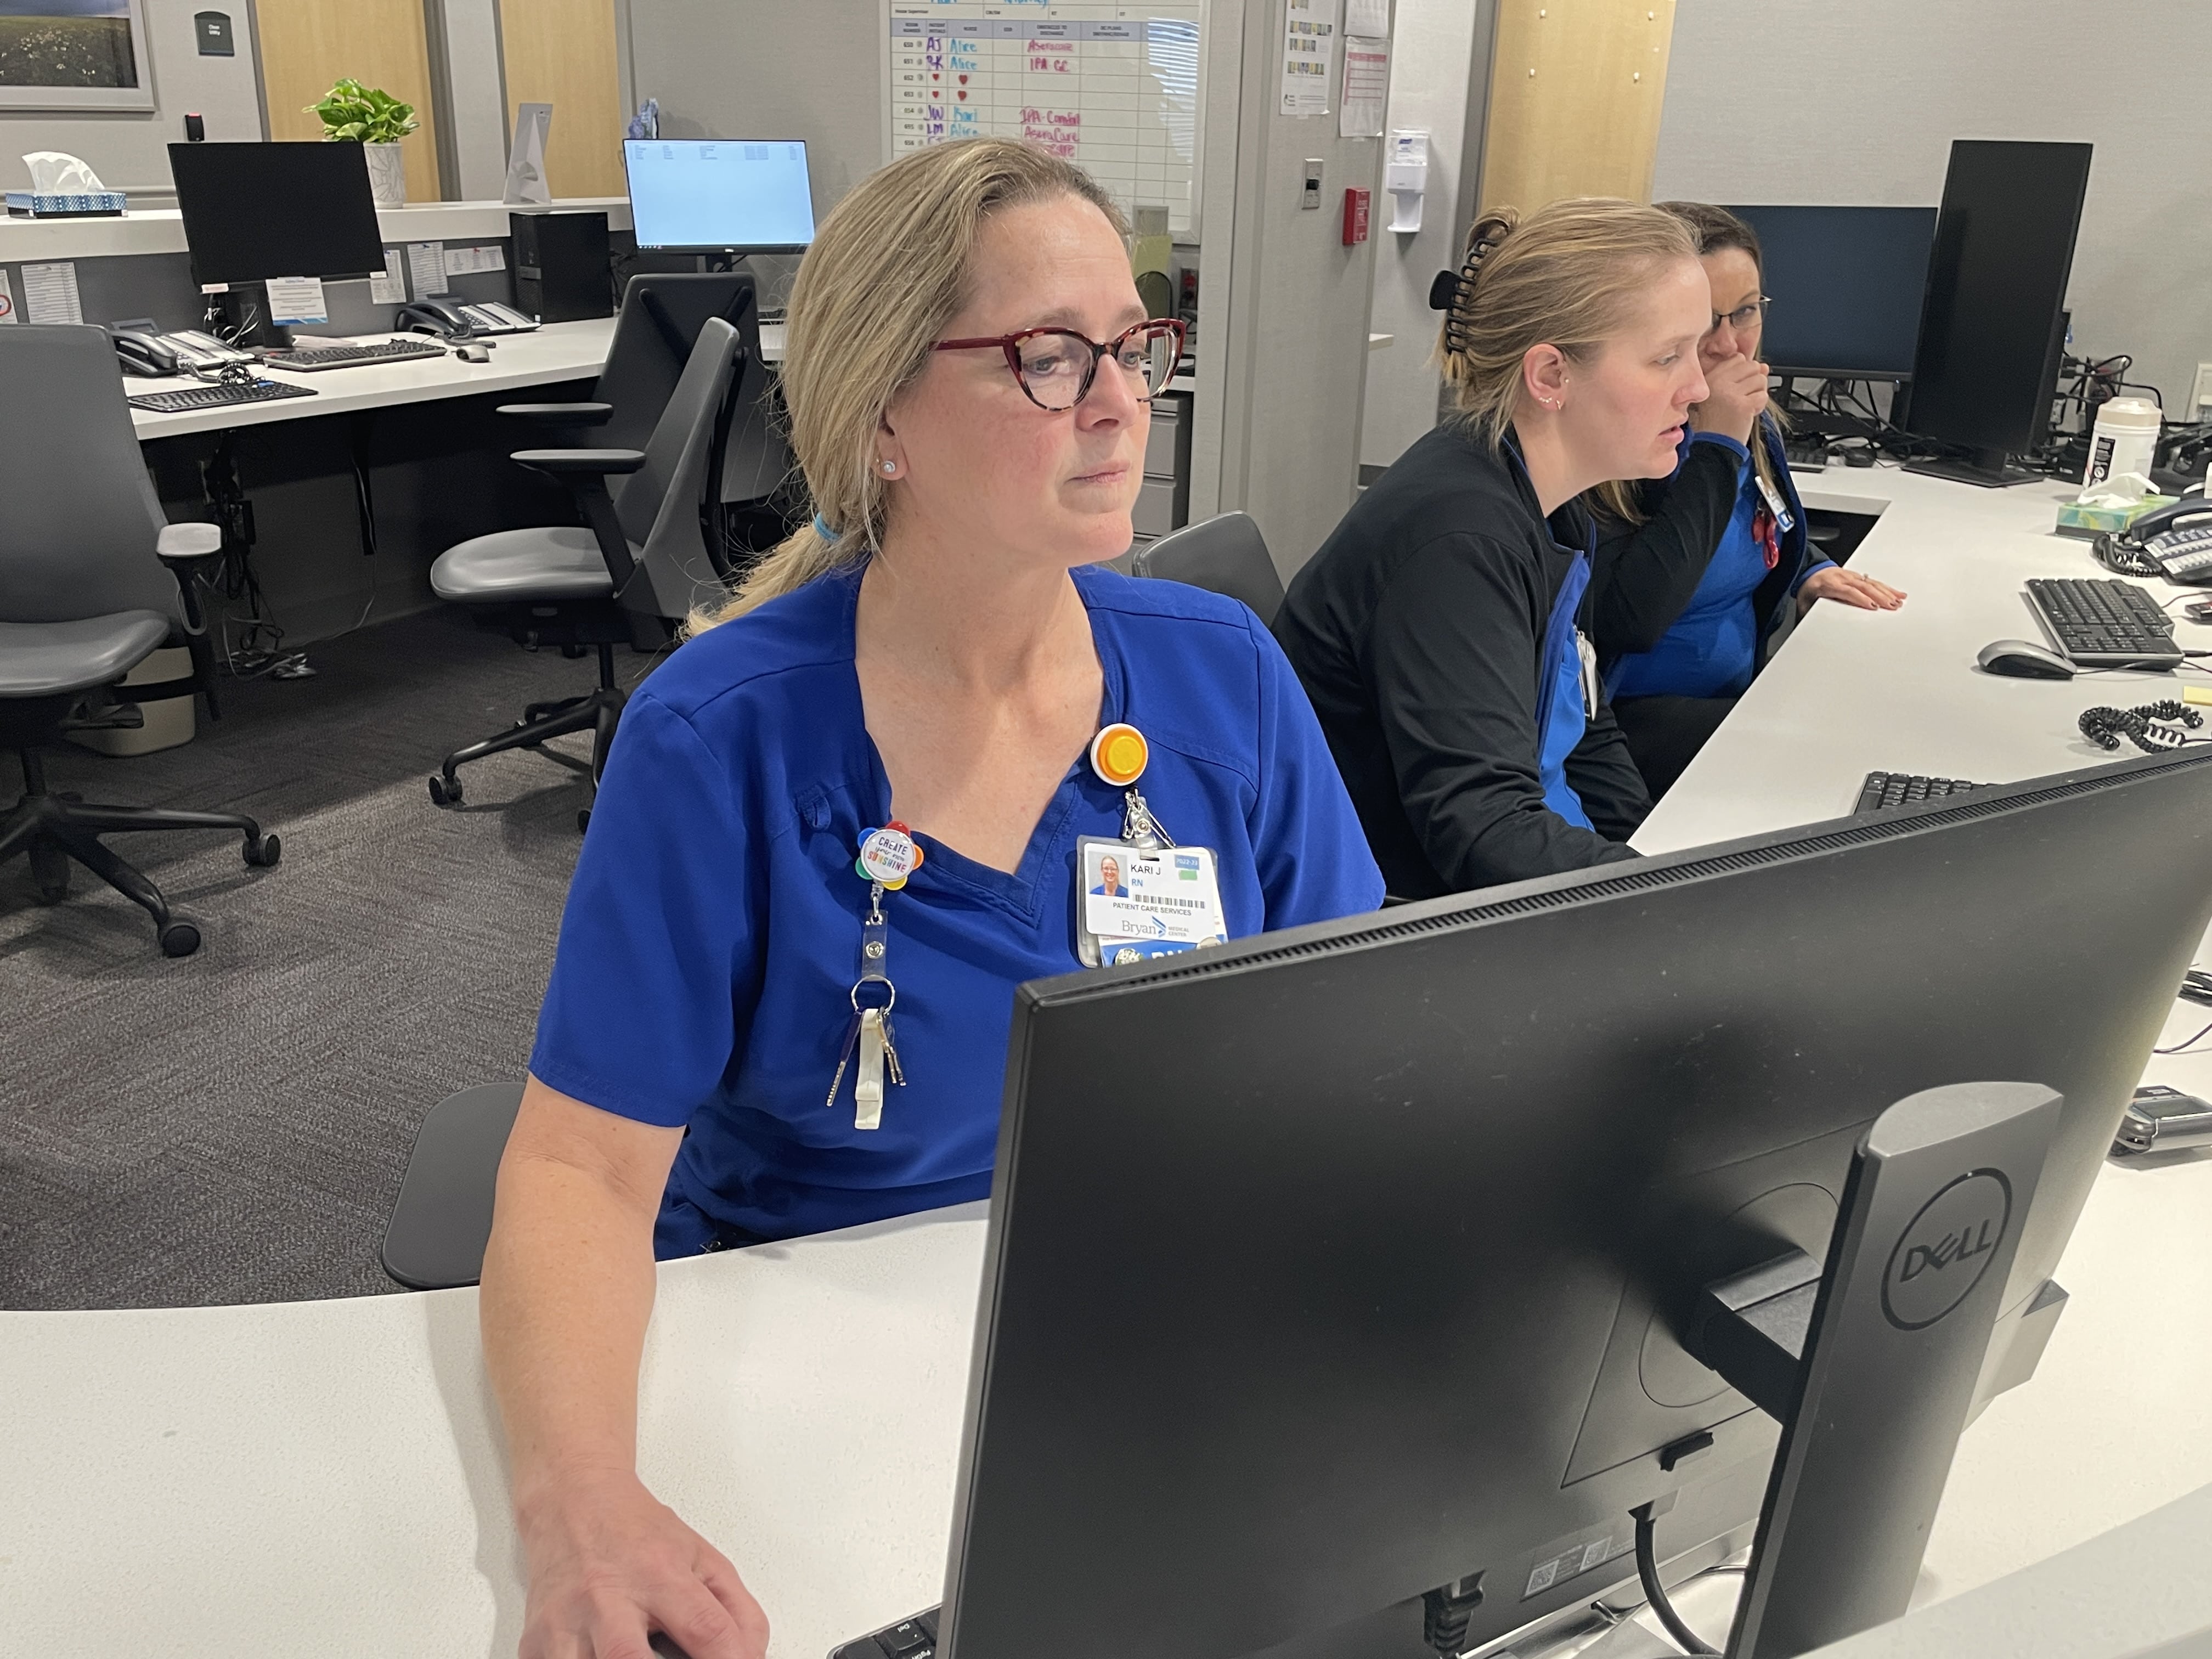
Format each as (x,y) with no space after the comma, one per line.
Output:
(387,174)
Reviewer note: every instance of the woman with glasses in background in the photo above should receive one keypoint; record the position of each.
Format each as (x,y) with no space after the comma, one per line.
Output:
(1696,574)
(840,825)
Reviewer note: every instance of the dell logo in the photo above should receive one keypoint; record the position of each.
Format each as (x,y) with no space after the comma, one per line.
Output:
(1951,1248)
(1939,1259)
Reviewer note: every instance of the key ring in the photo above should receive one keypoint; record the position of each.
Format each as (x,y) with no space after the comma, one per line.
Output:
(854,995)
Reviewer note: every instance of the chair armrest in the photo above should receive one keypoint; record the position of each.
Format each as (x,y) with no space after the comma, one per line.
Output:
(562,414)
(580,460)
(182,543)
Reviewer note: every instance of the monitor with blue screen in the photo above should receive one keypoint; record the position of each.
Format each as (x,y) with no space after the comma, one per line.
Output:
(719,195)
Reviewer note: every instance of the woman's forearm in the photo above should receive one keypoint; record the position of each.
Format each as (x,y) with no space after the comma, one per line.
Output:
(567,1290)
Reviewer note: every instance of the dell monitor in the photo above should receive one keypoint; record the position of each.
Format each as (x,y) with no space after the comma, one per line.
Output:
(1846,285)
(1330,1268)
(719,195)
(258,210)
(1996,288)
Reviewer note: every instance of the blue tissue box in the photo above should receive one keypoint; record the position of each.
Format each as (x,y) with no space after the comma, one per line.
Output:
(37,204)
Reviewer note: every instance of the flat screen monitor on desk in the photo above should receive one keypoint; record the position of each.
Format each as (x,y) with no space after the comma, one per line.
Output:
(719,195)
(1988,363)
(1335,1267)
(256,211)
(1846,284)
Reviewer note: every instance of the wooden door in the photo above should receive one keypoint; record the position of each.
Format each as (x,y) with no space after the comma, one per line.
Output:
(561,52)
(305,45)
(1575,89)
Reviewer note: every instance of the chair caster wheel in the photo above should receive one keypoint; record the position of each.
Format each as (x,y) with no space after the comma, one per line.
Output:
(263,851)
(179,939)
(444,791)
(50,869)
(583,820)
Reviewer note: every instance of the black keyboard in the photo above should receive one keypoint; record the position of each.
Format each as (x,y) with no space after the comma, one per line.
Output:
(309,359)
(910,1638)
(193,398)
(2105,624)
(1884,790)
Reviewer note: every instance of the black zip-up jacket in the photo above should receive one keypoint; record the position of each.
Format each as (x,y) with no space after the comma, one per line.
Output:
(1645,574)
(1416,630)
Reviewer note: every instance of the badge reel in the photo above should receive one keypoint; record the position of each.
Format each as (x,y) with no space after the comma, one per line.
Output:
(1141,897)
(887,857)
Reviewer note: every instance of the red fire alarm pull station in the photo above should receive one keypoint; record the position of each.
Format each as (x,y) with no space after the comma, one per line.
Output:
(1355,217)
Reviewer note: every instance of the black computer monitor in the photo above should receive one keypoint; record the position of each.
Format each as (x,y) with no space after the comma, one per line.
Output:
(1997,288)
(1330,1267)
(719,195)
(1846,284)
(255,211)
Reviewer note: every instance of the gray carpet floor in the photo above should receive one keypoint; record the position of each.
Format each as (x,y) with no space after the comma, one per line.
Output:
(232,1125)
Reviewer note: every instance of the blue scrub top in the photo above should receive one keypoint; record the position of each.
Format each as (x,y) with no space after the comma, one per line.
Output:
(713,927)
(1712,649)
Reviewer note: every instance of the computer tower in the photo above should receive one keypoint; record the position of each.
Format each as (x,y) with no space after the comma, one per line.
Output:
(561,269)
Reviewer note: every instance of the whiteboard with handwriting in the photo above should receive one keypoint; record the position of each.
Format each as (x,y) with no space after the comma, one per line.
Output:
(1118,90)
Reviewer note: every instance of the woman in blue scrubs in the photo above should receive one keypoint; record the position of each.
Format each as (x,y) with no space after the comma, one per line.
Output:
(841,825)
(1696,574)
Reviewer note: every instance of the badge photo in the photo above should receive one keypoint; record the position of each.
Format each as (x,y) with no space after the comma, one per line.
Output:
(1135,902)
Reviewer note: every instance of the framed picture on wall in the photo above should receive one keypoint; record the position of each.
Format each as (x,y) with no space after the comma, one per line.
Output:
(74,54)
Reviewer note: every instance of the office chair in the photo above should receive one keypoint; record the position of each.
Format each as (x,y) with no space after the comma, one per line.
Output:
(1225,554)
(83,600)
(434,1238)
(661,315)
(629,577)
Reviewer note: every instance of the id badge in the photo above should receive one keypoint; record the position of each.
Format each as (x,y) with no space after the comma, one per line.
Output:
(1777,506)
(1135,902)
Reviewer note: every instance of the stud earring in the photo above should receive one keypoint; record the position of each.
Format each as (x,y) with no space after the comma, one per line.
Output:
(890,467)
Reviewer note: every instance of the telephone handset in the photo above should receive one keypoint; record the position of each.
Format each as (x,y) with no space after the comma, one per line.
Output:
(143,350)
(435,317)
(141,353)
(2174,541)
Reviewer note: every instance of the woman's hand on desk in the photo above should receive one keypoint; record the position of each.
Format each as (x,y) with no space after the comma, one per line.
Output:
(610,1563)
(1735,397)
(1847,588)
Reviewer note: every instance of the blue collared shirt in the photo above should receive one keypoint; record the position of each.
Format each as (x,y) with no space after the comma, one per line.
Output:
(713,928)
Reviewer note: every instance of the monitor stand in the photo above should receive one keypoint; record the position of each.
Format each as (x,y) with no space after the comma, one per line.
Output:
(1871,1363)
(1988,468)
(244,307)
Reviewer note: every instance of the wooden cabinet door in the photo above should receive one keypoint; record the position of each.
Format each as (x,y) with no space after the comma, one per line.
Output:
(562,53)
(1575,89)
(305,45)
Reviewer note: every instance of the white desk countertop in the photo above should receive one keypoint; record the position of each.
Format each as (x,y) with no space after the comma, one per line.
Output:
(161,230)
(326,1477)
(555,352)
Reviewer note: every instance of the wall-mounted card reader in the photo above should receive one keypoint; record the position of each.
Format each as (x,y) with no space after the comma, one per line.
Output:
(1311,199)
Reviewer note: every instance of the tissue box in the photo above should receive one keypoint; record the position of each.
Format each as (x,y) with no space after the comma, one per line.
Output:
(38,204)
(2076,519)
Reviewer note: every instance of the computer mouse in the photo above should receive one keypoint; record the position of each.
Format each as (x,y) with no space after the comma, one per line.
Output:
(472,354)
(2023,659)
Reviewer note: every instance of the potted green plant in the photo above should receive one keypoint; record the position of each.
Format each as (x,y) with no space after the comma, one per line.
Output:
(374,119)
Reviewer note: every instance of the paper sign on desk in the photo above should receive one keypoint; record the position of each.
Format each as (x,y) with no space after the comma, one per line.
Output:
(7,302)
(297,300)
(426,268)
(50,293)
(388,287)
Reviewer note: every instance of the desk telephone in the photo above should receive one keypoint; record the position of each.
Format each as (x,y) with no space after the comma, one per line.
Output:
(141,351)
(2174,541)
(464,321)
